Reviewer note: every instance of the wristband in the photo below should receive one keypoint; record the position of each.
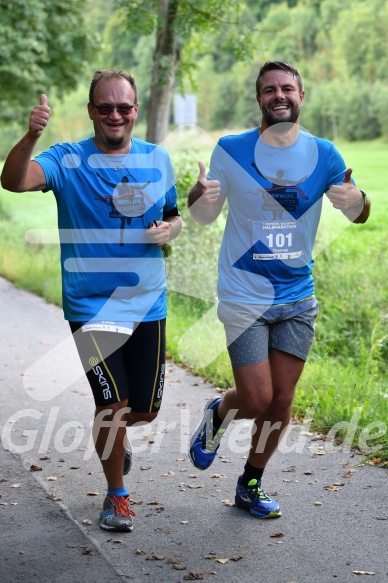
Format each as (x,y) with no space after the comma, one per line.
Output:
(363,194)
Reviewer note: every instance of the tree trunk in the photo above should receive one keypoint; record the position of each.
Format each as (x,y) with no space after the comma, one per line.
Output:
(165,59)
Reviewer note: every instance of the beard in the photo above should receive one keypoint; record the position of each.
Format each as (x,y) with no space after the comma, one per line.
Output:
(271,119)
(115,141)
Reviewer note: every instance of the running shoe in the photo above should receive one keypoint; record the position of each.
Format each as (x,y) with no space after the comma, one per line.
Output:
(254,499)
(203,444)
(127,459)
(116,514)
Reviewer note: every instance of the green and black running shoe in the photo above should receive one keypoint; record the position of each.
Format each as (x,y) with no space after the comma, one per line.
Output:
(254,499)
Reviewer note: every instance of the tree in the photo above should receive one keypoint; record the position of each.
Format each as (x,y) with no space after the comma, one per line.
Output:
(179,28)
(45,45)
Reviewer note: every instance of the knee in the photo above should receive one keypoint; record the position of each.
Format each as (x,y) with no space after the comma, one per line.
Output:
(140,418)
(253,406)
(282,403)
(113,411)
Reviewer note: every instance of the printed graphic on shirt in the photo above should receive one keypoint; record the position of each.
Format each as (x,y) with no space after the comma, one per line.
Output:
(127,200)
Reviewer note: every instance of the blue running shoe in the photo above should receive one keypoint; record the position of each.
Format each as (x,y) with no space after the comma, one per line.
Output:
(254,499)
(203,445)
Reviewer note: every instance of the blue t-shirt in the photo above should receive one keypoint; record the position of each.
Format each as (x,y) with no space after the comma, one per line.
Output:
(110,269)
(275,201)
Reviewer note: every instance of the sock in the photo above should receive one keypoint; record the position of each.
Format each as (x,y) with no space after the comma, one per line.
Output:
(251,473)
(118,491)
(217,421)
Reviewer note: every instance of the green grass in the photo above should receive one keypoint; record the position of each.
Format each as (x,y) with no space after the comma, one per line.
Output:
(346,372)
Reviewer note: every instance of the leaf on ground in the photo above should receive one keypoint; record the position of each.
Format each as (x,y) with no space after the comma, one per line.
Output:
(332,488)
(218,476)
(153,503)
(222,561)
(75,467)
(140,552)
(193,475)
(381,517)
(169,474)
(173,560)
(87,521)
(276,535)
(51,478)
(318,503)
(136,501)
(180,459)
(93,493)
(290,469)
(178,567)
(227,503)
(308,473)
(184,522)
(194,486)
(236,558)
(348,474)
(155,558)
(17,485)
(34,468)
(320,451)
(193,576)
(364,572)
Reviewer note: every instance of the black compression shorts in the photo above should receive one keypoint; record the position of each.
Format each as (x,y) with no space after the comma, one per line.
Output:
(121,367)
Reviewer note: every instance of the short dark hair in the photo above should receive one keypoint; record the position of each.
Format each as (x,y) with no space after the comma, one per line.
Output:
(278,66)
(111,74)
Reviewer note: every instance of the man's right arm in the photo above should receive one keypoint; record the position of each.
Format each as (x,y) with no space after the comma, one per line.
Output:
(205,201)
(20,173)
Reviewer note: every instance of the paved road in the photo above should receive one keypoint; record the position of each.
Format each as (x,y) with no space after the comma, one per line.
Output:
(335,513)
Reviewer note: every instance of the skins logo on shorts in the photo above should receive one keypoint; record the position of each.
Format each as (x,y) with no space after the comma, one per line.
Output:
(93,360)
(161,383)
(102,380)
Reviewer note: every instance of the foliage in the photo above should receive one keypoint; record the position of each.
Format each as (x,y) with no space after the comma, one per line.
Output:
(45,44)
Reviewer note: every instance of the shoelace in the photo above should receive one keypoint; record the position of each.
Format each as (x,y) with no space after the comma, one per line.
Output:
(122,505)
(258,492)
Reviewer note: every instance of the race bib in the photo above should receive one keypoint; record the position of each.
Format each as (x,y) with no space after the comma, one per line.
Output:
(287,240)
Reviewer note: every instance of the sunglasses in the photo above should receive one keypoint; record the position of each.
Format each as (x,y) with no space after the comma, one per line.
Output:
(107,109)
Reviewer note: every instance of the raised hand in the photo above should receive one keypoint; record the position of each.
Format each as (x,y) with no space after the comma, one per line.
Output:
(40,116)
(209,190)
(346,195)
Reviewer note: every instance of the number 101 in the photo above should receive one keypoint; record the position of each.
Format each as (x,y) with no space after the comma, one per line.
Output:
(279,240)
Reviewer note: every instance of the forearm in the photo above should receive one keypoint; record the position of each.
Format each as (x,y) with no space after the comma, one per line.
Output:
(204,212)
(17,164)
(176,226)
(359,214)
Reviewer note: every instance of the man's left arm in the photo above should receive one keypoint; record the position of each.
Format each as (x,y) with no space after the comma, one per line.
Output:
(352,201)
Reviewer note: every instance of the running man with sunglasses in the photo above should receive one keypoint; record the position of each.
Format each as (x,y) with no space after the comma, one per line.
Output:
(117,211)
(274,178)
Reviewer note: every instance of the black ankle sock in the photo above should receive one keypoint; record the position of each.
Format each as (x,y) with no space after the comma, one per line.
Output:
(217,421)
(251,473)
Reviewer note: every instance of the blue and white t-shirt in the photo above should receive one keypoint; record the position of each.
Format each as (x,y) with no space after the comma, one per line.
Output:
(275,201)
(110,269)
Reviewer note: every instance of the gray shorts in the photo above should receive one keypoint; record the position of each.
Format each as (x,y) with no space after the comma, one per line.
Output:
(252,330)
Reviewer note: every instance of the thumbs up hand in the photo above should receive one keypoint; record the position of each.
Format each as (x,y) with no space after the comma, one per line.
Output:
(40,116)
(206,192)
(346,195)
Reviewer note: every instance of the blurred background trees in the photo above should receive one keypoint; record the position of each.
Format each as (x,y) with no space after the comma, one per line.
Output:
(212,48)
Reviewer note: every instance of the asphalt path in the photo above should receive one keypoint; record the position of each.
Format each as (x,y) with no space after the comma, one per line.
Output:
(335,512)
